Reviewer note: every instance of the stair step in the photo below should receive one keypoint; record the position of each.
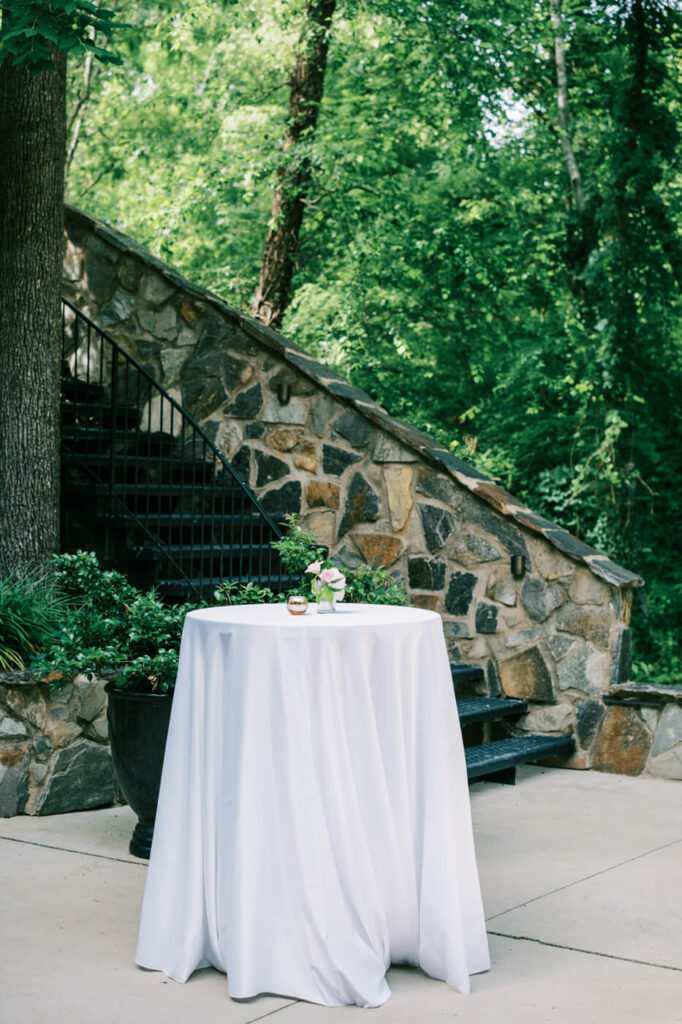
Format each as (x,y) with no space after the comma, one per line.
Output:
(484,709)
(164,490)
(490,758)
(149,442)
(134,467)
(99,413)
(186,519)
(196,552)
(467,673)
(74,390)
(186,589)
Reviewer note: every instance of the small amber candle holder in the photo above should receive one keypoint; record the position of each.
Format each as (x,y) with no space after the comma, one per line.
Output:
(297,604)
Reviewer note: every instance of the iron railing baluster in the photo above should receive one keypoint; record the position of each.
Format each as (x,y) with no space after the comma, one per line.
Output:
(214,488)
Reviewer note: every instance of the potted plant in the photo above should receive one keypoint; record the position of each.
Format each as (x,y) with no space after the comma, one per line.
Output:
(116,631)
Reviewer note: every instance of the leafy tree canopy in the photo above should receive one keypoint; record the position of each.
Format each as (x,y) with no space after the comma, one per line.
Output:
(446,262)
(31,29)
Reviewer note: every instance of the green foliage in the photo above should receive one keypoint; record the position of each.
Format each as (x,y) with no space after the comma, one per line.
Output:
(443,263)
(31,606)
(111,624)
(231,593)
(31,29)
(298,548)
(368,584)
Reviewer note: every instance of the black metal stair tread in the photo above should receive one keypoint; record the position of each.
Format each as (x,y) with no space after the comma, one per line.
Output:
(487,758)
(198,551)
(72,388)
(467,673)
(482,709)
(141,458)
(176,490)
(102,403)
(259,579)
(80,431)
(185,519)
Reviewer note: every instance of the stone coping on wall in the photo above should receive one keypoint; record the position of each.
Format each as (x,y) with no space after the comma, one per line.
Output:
(645,693)
(483,487)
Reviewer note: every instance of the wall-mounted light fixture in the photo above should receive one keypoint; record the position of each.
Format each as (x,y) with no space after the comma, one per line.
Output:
(283,392)
(518,567)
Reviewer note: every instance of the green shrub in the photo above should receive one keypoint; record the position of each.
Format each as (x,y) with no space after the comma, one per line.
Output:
(31,607)
(112,626)
(298,548)
(367,584)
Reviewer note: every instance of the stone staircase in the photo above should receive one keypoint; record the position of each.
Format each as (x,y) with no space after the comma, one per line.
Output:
(491,752)
(144,486)
(148,507)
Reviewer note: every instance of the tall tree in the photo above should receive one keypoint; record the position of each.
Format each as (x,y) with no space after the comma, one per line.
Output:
(295,172)
(34,40)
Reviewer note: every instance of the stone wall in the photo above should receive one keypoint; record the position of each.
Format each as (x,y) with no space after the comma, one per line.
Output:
(54,751)
(374,489)
(641,731)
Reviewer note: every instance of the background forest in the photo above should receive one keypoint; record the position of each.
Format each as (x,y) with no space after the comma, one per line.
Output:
(490,242)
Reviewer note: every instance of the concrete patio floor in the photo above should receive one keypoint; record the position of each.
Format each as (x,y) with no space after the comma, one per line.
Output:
(581,877)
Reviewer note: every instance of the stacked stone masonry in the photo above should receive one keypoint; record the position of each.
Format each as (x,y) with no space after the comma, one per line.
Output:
(54,751)
(374,489)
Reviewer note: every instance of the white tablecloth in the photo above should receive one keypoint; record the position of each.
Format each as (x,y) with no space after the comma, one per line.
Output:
(313,822)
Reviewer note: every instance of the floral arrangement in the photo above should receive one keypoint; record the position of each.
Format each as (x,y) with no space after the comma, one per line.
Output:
(328,583)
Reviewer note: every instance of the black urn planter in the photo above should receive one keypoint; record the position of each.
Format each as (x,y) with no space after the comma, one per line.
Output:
(138,727)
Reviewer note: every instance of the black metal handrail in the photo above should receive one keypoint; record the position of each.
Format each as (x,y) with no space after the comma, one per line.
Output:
(155,467)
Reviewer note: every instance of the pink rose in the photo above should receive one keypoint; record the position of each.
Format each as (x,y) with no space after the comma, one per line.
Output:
(314,568)
(332,576)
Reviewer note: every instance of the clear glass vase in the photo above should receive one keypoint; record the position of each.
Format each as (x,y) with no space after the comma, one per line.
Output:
(324,607)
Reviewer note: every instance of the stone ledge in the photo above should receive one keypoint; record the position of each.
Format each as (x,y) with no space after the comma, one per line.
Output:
(483,487)
(645,692)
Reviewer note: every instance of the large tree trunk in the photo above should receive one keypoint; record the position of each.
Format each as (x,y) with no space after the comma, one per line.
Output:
(32,129)
(286,213)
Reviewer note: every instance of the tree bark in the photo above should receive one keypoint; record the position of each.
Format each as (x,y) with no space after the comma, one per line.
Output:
(562,103)
(294,177)
(91,67)
(32,129)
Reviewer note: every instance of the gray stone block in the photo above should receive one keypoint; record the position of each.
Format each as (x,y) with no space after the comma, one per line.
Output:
(588,719)
(457,630)
(621,666)
(669,731)
(438,525)
(439,487)
(386,449)
(582,669)
(486,618)
(282,500)
(322,414)
(117,309)
(460,593)
(80,777)
(508,535)
(362,504)
(247,404)
(540,599)
(269,468)
(426,573)
(13,786)
(354,428)
(336,460)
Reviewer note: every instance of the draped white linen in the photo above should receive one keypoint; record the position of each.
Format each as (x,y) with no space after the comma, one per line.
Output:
(313,823)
